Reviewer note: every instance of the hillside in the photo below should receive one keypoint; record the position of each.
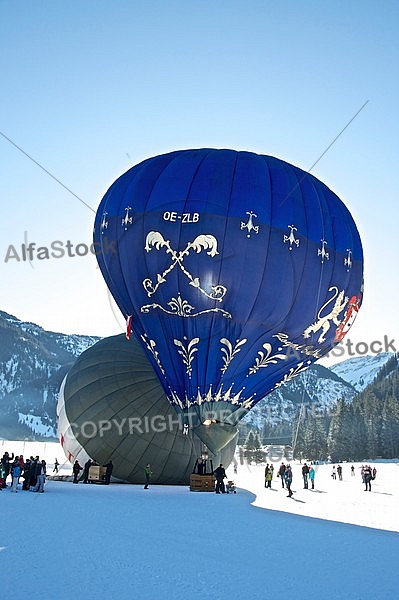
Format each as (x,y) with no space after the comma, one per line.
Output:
(360,371)
(318,389)
(33,363)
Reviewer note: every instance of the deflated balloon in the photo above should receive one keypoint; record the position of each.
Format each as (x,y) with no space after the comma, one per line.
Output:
(112,407)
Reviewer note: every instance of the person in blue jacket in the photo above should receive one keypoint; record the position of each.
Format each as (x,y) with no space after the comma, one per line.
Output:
(311,476)
(15,474)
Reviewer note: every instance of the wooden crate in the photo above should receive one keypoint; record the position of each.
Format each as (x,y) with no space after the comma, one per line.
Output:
(202,483)
(97,474)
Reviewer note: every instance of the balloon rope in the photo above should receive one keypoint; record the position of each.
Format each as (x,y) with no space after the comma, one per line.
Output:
(299,421)
(48,172)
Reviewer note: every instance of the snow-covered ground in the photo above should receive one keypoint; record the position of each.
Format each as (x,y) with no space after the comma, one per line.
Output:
(123,542)
(334,500)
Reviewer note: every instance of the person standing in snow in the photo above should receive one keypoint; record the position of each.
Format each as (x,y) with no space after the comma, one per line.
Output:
(367,478)
(15,474)
(109,468)
(312,476)
(374,473)
(269,476)
(334,472)
(56,465)
(281,473)
(339,471)
(271,471)
(305,475)
(352,471)
(220,475)
(86,469)
(41,477)
(147,473)
(362,473)
(76,469)
(6,460)
(27,474)
(34,468)
(288,480)
(266,473)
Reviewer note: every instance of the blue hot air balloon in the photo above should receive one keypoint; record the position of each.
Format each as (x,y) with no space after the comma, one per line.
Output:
(235,270)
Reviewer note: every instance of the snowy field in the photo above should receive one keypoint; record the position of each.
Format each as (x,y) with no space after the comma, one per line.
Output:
(124,542)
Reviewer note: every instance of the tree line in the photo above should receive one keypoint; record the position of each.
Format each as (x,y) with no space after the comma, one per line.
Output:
(367,427)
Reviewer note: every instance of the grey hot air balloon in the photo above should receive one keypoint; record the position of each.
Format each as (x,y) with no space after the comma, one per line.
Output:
(112,407)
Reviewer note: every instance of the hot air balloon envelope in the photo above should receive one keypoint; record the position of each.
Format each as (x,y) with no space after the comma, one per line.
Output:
(236,271)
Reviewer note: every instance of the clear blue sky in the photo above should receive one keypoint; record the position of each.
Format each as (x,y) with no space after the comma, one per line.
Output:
(91,88)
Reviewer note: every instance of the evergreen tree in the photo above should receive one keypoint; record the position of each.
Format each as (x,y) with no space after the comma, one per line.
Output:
(372,421)
(250,441)
(390,428)
(387,368)
(315,438)
(253,447)
(340,435)
(359,433)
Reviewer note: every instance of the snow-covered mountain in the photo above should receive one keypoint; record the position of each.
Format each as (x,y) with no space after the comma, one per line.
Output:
(318,389)
(361,370)
(33,363)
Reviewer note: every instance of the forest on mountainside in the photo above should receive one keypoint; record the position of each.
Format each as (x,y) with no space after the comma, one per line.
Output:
(366,427)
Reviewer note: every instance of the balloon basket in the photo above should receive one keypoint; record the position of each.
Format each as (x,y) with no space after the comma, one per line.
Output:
(96,474)
(202,483)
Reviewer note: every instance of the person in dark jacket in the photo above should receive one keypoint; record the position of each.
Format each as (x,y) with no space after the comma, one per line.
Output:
(288,480)
(26,475)
(7,460)
(200,466)
(220,475)
(280,473)
(34,471)
(41,477)
(305,475)
(85,475)
(147,473)
(109,468)
(367,478)
(76,469)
